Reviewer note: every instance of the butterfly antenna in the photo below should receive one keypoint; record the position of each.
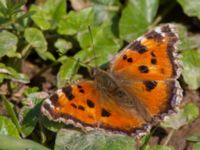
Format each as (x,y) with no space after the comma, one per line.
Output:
(94,52)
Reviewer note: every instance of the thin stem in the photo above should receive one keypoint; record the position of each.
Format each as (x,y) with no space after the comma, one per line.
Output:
(92,45)
(25,51)
(75,70)
(169,137)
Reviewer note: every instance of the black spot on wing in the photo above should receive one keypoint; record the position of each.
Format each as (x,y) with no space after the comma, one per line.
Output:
(73,105)
(79,86)
(153,61)
(81,91)
(137,46)
(153,54)
(150,85)
(129,60)
(105,113)
(90,103)
(143,69)
(80,107)
(154,35)
(124,57)
(68,92)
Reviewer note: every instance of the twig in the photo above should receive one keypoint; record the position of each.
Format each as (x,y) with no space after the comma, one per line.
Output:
(169,137)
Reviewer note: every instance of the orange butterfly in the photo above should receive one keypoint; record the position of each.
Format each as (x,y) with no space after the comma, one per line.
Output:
(140,88)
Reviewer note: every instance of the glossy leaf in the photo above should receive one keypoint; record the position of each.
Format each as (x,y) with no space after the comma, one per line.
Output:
(191,68)
(191,112)
(136,18)
(8,142)
(75,22)
(63,46)
(37,40)
(52,125)
(49,14)
(191,8)
(193,139)
(73,140)
(196,146)
(10,109)
(10,73)
(187,42)
(184,116)
(66,72)
(105,10)
(7,127)
(8,44)
(30,118)
(105,45)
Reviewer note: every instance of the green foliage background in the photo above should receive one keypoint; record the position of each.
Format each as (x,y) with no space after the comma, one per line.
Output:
(56,34)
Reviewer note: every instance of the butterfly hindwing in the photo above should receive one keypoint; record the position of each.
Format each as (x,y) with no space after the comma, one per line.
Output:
(158,97)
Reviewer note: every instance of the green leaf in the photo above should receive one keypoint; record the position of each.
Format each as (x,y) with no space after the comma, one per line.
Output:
(161,147)
(34,98)
(187,42)
(30,114)
(136,18)
(84,38)
(8,128)
(47,55)
(11,112)
(8,142)
(30,90)
(105,10)
(75,22)
(193,139)
(9,9)
(191,68)
(196,146)
(105,45)
(63,46)
(73,140)
(183,116)
(8,44)
(191,112)
(66,72)
(191,8)
(106,2)
(10,73)
(52,125)
(37,40)
(31,117)
(50,14)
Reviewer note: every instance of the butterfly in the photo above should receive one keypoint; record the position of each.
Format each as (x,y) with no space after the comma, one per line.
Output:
(139,88)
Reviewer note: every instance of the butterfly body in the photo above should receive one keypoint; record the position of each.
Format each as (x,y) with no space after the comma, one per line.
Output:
(139,88)
(113,87)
